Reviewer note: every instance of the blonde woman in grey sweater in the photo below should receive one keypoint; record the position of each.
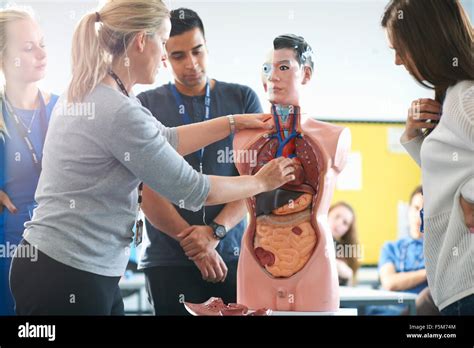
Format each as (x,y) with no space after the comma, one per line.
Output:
(93,162)
(433,40)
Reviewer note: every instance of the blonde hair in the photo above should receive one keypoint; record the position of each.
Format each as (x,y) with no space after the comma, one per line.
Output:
(7,16)
(93,49)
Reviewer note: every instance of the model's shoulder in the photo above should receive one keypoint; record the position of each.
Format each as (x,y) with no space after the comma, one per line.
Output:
(315,124)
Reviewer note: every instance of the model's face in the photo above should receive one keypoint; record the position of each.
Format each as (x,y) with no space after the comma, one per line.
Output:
(340,220)
(283,77)
(187,54)
(152,55)
(25,56)
(414,218)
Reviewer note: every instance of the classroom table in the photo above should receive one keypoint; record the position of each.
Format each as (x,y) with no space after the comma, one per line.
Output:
(353,300)
(360,297)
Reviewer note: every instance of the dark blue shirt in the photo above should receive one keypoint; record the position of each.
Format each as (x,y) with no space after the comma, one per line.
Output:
(226,98)
(406,254)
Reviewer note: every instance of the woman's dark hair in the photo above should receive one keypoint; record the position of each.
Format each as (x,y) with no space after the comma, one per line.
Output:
(303,51)
(183,20)
(349,238)
(435,37)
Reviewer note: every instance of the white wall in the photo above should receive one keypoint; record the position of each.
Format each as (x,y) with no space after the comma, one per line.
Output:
(355,75)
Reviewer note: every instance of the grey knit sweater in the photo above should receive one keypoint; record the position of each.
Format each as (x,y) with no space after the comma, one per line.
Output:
(446,158)
(93,162)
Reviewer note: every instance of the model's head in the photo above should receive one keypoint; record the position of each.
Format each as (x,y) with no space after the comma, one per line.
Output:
(289,66)
(186,48)
(432,39)
(414,218)
(128,32)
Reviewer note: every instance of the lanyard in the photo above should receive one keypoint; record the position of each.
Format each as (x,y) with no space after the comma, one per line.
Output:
(282,142)
(403,255)
(185,115)
(22,131)
(138,221)
(422,217)
(119,82)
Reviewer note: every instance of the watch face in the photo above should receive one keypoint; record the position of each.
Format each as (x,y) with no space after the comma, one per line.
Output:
(220,231)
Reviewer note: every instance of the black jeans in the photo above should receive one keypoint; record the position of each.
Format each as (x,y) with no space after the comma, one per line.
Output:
(169,286)
(464,306)
(44,286)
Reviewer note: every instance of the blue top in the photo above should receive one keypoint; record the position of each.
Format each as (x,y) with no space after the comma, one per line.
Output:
(18,178)
(158,248)
(406,254)
(18,175)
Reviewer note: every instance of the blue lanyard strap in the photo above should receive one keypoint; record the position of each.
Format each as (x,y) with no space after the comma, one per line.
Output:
(184,113)
(283,142)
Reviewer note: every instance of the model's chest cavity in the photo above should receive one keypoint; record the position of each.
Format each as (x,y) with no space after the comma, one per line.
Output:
(284,238)
(307,165)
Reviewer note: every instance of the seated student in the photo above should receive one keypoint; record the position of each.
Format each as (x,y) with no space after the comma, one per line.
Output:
(402,264)
(341,220)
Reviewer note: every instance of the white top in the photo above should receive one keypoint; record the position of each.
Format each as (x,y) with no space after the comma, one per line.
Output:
(446,158)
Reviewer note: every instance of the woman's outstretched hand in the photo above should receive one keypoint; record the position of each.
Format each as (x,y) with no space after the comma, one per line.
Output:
(252,121)
(276,173)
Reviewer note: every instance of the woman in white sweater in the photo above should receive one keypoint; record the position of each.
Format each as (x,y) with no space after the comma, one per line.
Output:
(433,40)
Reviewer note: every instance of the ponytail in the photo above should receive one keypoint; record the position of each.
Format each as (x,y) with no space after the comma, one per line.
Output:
(103,36)
(89,59)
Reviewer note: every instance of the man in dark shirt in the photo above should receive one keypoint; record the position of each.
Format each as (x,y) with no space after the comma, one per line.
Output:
(192,256)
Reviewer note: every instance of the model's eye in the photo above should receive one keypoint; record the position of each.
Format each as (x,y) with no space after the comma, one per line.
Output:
(267,69)
(284,67)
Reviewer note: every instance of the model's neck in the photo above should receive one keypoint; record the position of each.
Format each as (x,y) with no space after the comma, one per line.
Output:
(193,91)
(22,95)
(287,114)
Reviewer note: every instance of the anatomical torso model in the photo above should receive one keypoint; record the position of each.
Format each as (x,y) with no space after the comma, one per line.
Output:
(287,259)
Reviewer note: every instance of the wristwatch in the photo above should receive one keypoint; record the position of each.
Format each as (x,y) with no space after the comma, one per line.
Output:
(231,123)
(219,231)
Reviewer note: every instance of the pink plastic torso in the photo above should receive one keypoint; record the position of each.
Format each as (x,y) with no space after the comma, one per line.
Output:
(315,287)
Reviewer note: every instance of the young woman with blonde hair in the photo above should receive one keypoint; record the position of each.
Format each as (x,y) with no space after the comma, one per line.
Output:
(25,112)
(94,161)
